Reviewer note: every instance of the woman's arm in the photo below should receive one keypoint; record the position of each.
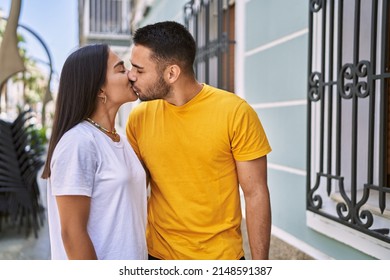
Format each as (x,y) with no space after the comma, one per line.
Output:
(74,214)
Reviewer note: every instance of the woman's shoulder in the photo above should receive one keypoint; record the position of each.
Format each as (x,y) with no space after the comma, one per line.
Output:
(79,135)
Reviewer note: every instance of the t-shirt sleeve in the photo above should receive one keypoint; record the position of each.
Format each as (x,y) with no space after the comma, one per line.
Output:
(249,140)
(73,166)
(131,130)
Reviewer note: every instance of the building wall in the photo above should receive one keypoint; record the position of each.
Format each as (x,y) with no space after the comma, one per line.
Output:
(165,10)
(275,83)
(271,74)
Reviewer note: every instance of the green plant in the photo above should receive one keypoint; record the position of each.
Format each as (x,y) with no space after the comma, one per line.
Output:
(38,139)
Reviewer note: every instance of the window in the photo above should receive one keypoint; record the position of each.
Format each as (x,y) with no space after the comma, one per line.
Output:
(109,16)
(212,25)
(349,121)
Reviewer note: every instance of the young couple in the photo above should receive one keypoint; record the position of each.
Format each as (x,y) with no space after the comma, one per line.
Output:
(193,144)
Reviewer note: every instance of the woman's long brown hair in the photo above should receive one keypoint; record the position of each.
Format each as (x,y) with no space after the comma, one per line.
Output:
(83,74)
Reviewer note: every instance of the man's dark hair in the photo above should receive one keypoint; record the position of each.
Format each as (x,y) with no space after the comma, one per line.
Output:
(170,43)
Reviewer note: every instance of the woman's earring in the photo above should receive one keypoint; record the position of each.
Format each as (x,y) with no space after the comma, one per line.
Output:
(104,99)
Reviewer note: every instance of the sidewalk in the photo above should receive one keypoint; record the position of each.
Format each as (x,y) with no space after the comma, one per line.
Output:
(279,250)
(15,246)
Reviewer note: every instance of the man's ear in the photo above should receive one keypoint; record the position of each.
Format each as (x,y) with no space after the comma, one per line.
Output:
(172,73)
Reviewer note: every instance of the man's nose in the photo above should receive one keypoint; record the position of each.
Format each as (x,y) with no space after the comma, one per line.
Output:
(131,76)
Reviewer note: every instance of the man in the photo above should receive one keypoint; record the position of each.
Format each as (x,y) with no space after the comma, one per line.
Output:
(198,143)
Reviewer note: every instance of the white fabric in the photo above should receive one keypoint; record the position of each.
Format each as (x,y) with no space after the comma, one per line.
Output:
(87,162)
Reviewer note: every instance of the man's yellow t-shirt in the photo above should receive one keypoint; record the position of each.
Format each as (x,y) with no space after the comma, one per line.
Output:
(190,151)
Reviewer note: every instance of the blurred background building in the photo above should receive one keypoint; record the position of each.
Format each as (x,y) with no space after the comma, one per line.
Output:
(317,73)
(105,22)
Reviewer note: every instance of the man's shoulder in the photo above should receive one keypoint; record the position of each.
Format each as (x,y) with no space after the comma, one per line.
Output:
(223,97)
(145,106)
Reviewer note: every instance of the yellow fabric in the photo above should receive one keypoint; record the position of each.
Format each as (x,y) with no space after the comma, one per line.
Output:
(194,208)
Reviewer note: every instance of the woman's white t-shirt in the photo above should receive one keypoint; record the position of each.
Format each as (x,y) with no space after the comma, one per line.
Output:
(87,162)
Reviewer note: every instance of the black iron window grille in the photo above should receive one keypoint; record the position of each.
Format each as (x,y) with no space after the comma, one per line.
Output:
(212,24)
(348,114)
(109,17)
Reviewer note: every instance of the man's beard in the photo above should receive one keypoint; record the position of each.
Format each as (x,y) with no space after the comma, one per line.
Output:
(158,90)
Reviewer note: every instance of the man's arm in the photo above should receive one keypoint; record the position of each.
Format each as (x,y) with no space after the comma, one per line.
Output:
(74,214)
(252,176)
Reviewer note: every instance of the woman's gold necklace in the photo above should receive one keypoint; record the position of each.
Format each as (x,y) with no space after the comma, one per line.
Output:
(111,133)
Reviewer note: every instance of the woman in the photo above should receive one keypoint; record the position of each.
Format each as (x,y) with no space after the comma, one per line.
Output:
(96,184)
